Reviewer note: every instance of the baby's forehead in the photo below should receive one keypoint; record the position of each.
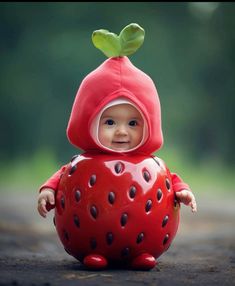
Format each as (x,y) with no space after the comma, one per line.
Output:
(121,109)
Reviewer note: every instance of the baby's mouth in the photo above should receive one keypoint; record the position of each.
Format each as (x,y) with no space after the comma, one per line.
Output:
(121,142)
(121,145)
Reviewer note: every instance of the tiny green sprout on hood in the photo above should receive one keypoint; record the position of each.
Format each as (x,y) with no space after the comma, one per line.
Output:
(126,43)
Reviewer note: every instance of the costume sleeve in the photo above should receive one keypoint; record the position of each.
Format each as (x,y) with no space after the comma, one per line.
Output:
(178,184)
(54,180)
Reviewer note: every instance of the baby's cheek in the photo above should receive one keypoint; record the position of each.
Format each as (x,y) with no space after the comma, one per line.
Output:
(137,137)
(105,137)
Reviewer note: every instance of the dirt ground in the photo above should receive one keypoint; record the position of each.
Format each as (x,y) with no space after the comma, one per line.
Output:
(203,252)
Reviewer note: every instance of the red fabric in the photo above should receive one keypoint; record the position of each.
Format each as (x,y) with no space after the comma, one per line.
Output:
(178,184)
(115,78)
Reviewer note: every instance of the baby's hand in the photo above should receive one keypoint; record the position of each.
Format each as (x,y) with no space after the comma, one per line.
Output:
(187,198)
(47,196)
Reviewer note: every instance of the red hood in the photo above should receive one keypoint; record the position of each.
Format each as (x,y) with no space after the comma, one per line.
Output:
(115,78)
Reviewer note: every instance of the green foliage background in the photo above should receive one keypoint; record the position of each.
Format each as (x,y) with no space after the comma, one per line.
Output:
(46,51)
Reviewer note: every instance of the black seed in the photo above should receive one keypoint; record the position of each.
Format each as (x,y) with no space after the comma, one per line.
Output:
(159,194)
(125,251)
(62,202)
(165,239)
(140,238)
(148,206)
(94,211)
(111,197)
(92,180)
(93,243)
(66,236)
(76,220)
(109,238)
(72,170)
(118,167)
(54,221)
(132,192)
(165,220)
(124,218)
(146,176)
(168,185)
(73,158)
(77,196)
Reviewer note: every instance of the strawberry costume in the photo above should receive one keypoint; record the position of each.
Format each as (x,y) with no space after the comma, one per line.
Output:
(111,206)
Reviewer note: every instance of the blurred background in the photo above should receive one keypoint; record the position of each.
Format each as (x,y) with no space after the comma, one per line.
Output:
(189,52)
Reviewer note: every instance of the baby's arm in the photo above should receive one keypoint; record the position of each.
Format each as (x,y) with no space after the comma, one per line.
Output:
(183,192)
(46,199)
(187,197)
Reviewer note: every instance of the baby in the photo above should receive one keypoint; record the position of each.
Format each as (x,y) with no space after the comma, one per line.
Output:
(120,127)
(116,117)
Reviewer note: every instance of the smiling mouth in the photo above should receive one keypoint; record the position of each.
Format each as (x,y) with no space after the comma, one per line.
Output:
(121,145)
(121,142)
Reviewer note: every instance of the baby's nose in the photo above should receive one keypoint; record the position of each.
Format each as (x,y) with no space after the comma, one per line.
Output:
(121,130)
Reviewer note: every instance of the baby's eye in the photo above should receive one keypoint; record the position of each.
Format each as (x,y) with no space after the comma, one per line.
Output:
(109,122)
(133,123)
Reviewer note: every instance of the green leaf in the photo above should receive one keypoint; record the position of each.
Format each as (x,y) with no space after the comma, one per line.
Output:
(107,42)
(129,40)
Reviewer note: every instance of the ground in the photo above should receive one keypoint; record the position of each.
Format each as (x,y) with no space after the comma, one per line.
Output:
(203,252)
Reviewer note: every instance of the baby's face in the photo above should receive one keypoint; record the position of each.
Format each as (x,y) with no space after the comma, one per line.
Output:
(121,127)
